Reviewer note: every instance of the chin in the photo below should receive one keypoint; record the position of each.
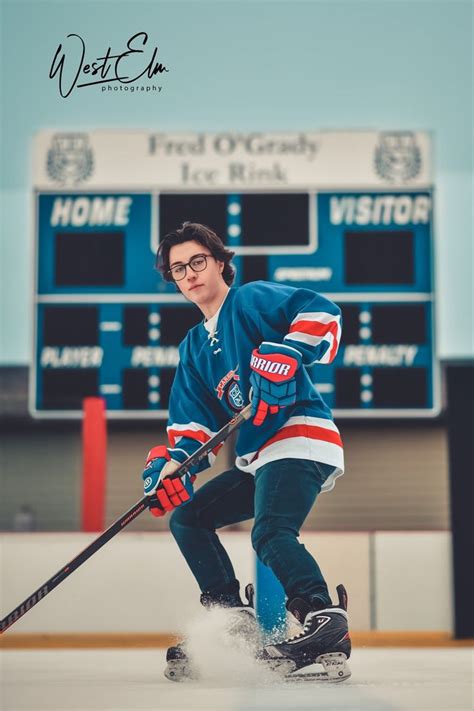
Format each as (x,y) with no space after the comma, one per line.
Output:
(195,296)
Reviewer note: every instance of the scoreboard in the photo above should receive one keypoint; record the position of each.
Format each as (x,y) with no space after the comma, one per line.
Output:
(346,214)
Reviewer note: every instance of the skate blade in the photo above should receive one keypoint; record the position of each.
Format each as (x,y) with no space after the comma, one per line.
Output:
(282,666)
(335,669)
(179,671)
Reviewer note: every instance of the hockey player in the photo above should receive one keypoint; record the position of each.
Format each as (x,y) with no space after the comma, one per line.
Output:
(255,342)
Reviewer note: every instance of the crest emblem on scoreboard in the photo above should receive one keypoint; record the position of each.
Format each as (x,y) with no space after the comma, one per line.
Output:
(397,156)
(70,159)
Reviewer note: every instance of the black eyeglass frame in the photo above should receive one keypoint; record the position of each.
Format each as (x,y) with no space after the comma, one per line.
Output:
(189,264)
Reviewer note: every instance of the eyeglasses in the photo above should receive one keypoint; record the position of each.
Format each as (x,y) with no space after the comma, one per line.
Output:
(197,264)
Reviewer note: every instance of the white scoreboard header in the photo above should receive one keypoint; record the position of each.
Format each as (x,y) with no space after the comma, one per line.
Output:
(133,160)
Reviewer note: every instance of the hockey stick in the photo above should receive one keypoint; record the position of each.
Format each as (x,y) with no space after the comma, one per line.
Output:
(118,525)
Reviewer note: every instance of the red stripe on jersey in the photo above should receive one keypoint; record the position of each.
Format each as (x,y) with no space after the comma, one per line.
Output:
(198,435)
(311,431)
(193,434)
(316,328)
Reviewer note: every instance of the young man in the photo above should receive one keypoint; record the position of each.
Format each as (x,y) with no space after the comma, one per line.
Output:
(254,344)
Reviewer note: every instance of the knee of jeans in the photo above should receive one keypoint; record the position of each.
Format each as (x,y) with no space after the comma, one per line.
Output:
(263,539)
(183,517)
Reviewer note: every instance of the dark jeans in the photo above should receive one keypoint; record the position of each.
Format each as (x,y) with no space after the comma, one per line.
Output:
(279,497)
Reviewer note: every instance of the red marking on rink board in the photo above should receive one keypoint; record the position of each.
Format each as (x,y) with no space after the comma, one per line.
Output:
(94,463)
(316,328)
(311,431)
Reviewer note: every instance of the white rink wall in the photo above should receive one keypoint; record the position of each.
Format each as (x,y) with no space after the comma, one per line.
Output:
(139,582)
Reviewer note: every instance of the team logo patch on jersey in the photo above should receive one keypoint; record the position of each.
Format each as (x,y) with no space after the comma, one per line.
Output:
(231,375)
(236,396)
(397,157)
(228,389)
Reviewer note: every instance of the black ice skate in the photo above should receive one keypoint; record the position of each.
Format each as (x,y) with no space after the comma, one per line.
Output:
(242,625)
(324,640)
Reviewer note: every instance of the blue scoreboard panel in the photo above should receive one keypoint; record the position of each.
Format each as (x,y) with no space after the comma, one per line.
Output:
(107,324)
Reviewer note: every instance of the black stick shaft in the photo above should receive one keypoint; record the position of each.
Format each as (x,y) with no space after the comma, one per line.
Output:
(117,526)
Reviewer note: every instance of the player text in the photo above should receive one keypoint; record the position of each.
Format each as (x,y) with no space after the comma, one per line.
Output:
(72,357)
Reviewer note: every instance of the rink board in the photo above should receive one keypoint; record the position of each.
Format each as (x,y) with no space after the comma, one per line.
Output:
(139,584)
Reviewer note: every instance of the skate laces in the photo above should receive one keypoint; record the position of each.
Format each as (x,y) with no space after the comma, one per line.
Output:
(306,626)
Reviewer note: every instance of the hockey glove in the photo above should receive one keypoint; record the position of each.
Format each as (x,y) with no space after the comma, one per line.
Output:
(272,379)
(166,490)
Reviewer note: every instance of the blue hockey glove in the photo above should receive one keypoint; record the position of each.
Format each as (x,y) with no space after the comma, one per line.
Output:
(166,490)
(272,379)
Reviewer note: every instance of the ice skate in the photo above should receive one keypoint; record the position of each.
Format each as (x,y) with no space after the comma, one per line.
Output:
(324,640)
(178,665)
(243,626)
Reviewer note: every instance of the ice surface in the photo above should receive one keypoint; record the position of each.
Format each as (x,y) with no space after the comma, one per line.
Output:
(131,680)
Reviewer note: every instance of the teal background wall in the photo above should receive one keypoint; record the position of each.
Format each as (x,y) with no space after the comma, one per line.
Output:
(250,66)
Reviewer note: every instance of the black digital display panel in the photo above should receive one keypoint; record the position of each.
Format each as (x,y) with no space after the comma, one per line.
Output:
(348,387)
(135,388)
(275,220)
(400,387)
(71,326)
(379,258)
(400,323)
(65,388)
(350,323)
(175,322)
(89,259)
(207,209)
(135,325)
(254,267)
(166,381)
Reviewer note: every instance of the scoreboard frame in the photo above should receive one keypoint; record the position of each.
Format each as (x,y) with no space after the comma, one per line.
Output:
(121,297)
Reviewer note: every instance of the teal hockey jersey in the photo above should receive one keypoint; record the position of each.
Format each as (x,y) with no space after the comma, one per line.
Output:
(212,379)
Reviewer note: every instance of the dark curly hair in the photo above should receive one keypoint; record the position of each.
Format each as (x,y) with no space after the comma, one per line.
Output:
(193,231)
